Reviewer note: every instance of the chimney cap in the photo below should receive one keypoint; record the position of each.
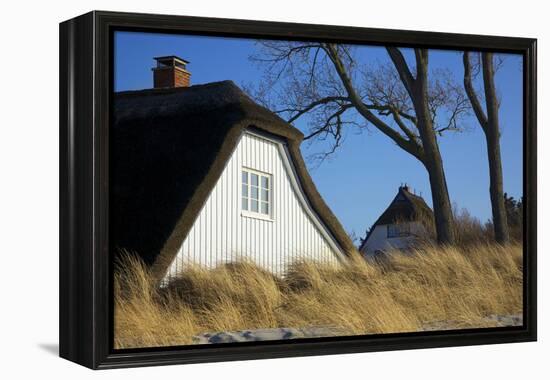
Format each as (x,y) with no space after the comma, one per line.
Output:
(170,58)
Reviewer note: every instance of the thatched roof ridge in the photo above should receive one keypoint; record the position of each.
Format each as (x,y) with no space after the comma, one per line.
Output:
(204,99)
(405,207)
(169,147)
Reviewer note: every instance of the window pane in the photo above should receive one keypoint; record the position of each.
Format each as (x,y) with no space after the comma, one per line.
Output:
(245,203)
(265,182)
(245,190)
(254,179)
(245,177)
(265,208)
(254,192)
(265,195)
(254,205)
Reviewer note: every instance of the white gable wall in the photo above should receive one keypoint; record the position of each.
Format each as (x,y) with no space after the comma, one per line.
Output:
(221,233)
(379,241)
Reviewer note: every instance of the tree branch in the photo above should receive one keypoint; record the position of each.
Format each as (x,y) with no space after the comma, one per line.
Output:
(284,54)
(472,96)
(409,146)
(312,105)
(328,123)
(458,110)
(402,126)
(402,69)
(386,110)
(491,101)
(312,71)
(421,56)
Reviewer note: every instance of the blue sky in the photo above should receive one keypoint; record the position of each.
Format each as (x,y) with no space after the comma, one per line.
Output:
(360,180)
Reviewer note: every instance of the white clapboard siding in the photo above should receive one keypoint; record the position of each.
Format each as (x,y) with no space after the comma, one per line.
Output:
(222,234)
(379,241)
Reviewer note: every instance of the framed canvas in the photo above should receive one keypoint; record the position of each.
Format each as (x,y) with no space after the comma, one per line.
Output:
(235,189)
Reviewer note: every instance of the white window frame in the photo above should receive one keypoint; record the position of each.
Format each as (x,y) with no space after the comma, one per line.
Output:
(248,212)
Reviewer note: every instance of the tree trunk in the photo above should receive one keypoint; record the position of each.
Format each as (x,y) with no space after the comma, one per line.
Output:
(432,156)
(428,154)
(440,196)
(492,135)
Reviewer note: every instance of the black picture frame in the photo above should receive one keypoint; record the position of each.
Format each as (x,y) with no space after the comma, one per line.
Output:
(86,84)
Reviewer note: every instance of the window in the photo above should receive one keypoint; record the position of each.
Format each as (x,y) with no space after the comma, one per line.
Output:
(398,230)
(256,189)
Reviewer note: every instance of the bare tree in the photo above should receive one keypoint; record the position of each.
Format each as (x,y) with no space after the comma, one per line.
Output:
(490,125)
(325,82)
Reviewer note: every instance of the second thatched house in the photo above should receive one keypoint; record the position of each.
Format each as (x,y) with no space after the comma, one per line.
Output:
(400,226)
(204,175)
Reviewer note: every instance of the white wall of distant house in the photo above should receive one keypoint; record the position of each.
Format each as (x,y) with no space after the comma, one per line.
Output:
(379,241)
(222,232)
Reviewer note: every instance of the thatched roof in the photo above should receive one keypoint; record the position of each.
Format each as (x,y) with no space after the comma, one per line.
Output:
(168,149)
(405,207)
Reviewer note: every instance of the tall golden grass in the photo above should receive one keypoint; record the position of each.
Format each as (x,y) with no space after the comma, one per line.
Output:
(456,287)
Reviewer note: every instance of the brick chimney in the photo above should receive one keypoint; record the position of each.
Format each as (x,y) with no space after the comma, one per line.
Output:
(170,72)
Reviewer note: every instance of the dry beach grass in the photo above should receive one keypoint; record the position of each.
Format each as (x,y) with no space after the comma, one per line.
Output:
(456,287)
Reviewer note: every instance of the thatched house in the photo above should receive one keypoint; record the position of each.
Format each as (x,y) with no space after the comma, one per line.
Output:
(400,226)
(202,174)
